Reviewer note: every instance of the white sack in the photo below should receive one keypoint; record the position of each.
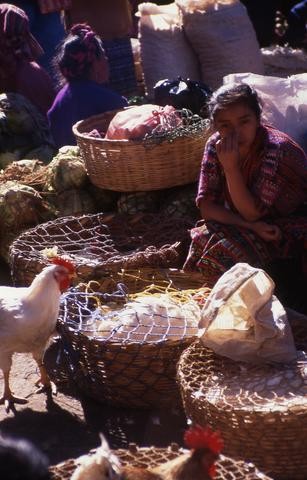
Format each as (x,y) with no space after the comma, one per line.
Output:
(223,38)
(282,61)
(165,52)
(284,102)
(243,320)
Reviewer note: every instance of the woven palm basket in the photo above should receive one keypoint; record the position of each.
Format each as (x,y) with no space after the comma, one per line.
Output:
(150,457)
(261,411)
(101,242)
(138,165)
(133,367)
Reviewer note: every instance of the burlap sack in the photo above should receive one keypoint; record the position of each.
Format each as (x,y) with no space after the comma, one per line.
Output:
(223,38)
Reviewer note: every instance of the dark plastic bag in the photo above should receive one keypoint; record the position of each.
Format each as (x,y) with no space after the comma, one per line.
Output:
(181,93)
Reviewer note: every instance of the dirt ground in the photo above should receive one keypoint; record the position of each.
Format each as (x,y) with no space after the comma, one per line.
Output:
(68,425)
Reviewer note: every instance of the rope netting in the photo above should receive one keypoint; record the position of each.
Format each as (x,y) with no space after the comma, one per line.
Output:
(150,457)
(124,355)
(100,242)
(158,312)
(260,410)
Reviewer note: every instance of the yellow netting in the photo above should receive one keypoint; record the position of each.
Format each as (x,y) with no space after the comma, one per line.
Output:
(155,303)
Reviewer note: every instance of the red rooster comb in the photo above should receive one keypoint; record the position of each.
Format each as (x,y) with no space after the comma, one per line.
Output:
(203,437)
(65,262)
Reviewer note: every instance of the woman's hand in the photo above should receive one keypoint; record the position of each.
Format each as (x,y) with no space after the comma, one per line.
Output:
(227,149)
(266,231)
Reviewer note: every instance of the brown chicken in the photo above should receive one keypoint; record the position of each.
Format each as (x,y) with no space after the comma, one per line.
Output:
(198,464)
(28,318)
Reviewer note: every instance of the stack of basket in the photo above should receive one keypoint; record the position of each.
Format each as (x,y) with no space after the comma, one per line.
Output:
(261,411)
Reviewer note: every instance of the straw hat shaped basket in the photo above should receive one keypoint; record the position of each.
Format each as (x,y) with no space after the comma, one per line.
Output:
(138,165)
(101,242)
(150,457)
(261,411)
(130,365)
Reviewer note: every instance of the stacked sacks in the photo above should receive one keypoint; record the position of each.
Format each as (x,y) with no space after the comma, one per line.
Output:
(223,37)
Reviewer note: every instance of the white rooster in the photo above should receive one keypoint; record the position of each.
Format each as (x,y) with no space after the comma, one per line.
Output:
(28,318)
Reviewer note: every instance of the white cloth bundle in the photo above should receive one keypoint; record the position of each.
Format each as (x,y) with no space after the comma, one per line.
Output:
(243,320)
(153,318)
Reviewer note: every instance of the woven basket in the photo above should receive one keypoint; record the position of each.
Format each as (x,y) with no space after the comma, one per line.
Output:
(261,411)
(150,457)
(101,242)
(131,371)
(138,165)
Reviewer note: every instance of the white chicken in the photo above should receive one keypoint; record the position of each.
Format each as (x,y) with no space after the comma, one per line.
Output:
(102,465)
(28,318)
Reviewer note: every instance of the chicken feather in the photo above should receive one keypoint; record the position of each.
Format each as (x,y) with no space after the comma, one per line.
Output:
(28,318)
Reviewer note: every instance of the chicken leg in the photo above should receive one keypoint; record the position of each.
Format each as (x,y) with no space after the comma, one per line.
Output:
(44,383)
(8,399)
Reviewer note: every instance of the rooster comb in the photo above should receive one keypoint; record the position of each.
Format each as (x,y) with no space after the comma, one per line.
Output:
(65,262)
(198,437)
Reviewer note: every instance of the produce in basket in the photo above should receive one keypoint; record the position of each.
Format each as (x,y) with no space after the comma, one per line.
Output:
(134,123)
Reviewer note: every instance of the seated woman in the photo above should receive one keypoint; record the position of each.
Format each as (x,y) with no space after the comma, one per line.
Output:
(84,66)
(252,190)
(19,72)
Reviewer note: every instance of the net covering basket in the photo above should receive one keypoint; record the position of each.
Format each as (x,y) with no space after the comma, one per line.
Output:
(101,242)
(226,468)
(261,411)
(138,165)
(130,370)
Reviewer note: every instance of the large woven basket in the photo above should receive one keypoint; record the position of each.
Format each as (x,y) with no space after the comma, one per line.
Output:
(150,457)
(261,411)
(101,242)
(130,371)
(138,165)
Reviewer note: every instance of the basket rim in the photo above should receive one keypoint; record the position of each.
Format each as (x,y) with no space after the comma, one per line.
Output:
(127,142)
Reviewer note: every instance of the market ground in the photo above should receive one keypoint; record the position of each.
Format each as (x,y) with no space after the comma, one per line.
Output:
(68,425)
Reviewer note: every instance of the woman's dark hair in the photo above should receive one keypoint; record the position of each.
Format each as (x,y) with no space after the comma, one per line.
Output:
(229,95)
(21,460)
(77,53)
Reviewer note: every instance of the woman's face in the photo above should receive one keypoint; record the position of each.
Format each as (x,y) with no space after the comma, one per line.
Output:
(238,119)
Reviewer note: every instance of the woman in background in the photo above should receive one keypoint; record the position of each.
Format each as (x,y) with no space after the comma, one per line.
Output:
(19,51)
(252,190)
(84,69)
